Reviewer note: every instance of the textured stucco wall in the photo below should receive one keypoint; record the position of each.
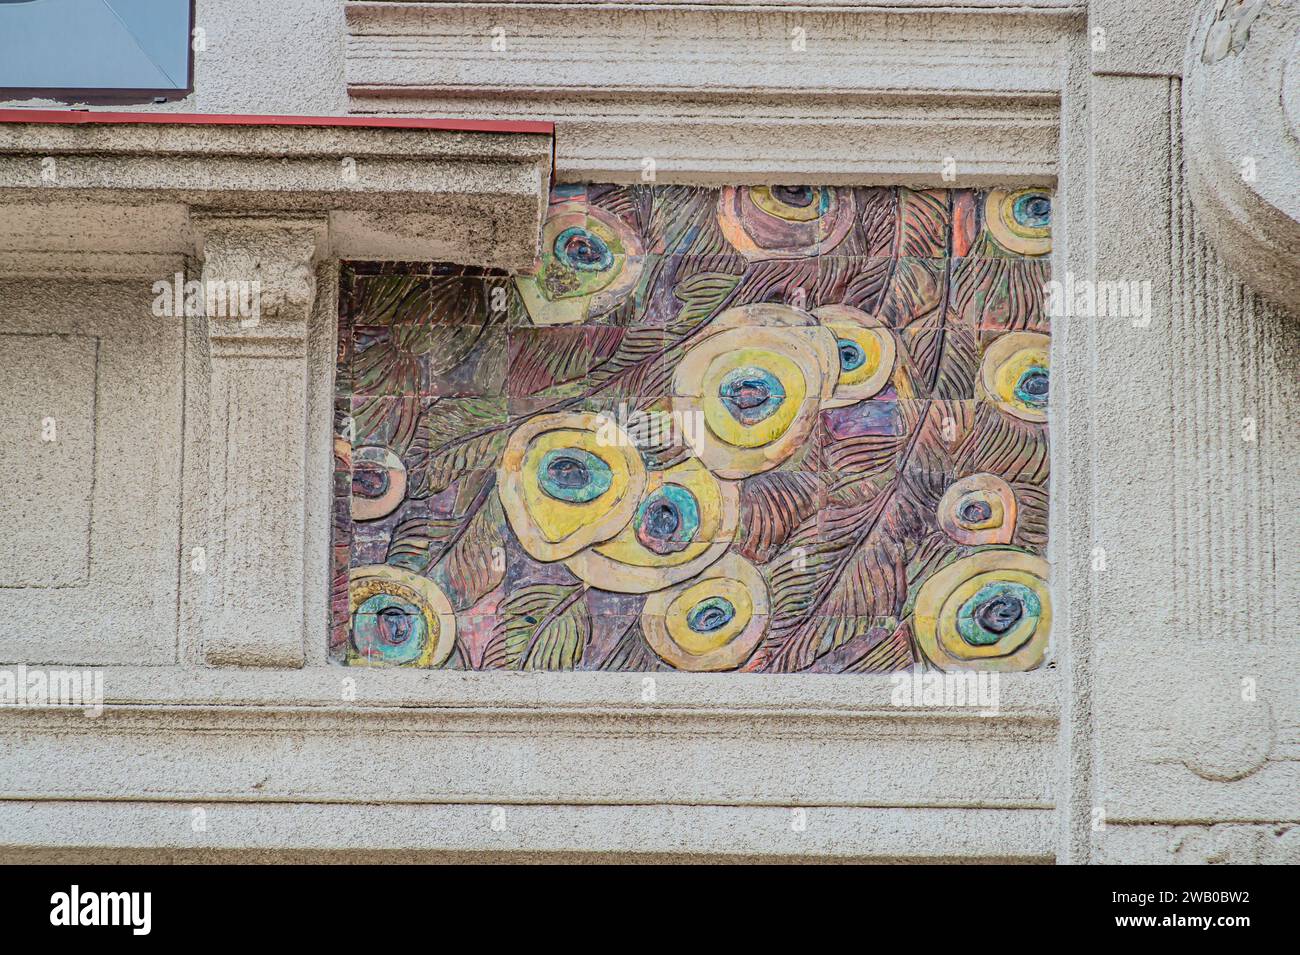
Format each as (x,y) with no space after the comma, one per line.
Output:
(274,58)
(1166,731)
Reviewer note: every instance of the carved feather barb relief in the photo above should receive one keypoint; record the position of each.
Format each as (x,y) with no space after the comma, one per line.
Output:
(776,429)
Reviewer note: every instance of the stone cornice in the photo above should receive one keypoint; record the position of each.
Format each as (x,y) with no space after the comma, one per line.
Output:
(389,191)
(844,92)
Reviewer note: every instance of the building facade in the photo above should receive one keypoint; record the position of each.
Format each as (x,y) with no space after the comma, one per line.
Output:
(527,431)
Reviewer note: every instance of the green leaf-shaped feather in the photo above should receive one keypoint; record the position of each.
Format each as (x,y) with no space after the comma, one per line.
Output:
(543,627)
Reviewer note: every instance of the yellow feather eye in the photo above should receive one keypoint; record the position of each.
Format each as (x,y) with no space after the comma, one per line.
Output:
(979,509)
(1014,374)
(751,396)
(378,482)
(865,351)
(398,619)
(713,622)
(590,262)
(990,611)
(754,384)
(1020,221)
(860,353)
(772,222)
(685,521)
(567,481)
(707,616)
(791,203)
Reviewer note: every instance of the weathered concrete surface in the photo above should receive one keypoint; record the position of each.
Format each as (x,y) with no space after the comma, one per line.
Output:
(1139,37)
(145,832)
(475,197)
(1167,729)
(1241,127)
(90,367)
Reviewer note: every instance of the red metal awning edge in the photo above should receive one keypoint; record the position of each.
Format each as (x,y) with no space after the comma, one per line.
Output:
(77,117)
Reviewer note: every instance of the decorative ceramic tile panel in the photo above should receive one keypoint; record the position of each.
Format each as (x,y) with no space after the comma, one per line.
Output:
(761,429)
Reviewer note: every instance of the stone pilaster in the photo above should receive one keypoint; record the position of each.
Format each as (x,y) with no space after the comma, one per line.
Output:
(259,285)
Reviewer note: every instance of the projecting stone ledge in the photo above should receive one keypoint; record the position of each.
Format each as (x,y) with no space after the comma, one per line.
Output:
(392,189)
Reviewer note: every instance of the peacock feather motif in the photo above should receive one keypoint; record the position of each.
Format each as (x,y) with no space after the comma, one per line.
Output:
(770,429)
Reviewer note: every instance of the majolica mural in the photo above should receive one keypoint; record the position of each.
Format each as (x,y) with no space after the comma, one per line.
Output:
(778,429)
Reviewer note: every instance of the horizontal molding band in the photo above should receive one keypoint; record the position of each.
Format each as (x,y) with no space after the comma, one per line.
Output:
(578,738)
(779,6)
(423,833)
(1029,696)
(91,265)
(277,142)
(964,96)
(871,140)
(239,184)
(524,46)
